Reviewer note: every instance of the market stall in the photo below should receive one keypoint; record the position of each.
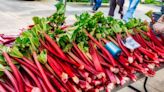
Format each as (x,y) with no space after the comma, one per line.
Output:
(96,53)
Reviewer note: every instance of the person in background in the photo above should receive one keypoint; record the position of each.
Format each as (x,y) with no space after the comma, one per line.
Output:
(131,9)
(159,25)
(113,4)
(97,5)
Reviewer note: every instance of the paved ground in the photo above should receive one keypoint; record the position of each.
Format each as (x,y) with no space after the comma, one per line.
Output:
(16,14)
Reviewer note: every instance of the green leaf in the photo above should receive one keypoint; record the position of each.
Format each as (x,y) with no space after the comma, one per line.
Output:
(42,57)
(1,73)
(2,60)
(4,49)
(36,20)
(60,8)
(2,67)
(15,52)
(82,47)
(67,47)
(116,28)
(98,35)
(8,68)
(149,13)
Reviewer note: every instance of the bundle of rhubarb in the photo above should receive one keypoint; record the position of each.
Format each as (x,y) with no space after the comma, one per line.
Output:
(96,53)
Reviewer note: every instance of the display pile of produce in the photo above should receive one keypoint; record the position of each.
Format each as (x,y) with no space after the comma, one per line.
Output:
(50,56)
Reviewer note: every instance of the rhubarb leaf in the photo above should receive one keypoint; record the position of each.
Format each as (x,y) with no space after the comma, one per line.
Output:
(2,60)
(42,57)
(2,67)
(15,52)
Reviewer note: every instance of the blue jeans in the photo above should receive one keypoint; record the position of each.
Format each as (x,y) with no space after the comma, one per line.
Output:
(97,4)
(131,9)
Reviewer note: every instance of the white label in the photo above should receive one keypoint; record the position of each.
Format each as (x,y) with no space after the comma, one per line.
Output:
(130,43)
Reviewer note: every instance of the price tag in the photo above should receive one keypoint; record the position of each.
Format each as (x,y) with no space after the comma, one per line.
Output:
(130,43)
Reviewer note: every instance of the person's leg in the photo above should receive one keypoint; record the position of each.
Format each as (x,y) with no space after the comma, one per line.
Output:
(112,7)
(121,5)
(130,2)
(97,5)
(131,10)
(94,7)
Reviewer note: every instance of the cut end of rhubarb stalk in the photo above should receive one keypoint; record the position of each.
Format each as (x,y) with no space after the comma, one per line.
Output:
(96,82)
(81,67)
(156,61)
(97,90)
(122,82)
(35,89)
(126,78)
(75,79)
(110,86)
(89,80)
(64,77)
(108,90)
(86,74)
(134,79)
(130,59)
(88,88)
(151,66)
(117,80)
(76,89)
(101,75)
(101,89)
(114,70)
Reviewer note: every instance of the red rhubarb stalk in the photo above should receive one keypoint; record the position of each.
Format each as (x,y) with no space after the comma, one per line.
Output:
(59,56)
(82,55)
(7,87)
(43,73)
(54,44)
(12,79)
(62,75)
(33,77)
(110,57)
(95,59)
(69,72)
(130,58)
(2,89)
(88,68)
(15,72)
(111,76)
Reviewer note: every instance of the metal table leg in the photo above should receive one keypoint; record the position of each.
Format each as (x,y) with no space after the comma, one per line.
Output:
(144,86)
(135,89)
(145,82)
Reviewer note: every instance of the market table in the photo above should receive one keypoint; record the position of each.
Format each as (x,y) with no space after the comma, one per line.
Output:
(139,76)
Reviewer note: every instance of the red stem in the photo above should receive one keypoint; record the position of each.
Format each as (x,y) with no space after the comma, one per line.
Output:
(121,45)
(43,73)
(59,56)
(81,54)
(88,68)
(54,45)
(33,77)
(12,79)
(59,73)
(95,57)
(15,71)
(7,87)
(111,76)
(110,57)
(43,85)
(2,89)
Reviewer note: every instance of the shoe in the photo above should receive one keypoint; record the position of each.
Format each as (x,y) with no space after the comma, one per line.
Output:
(121,16)
(93,11)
